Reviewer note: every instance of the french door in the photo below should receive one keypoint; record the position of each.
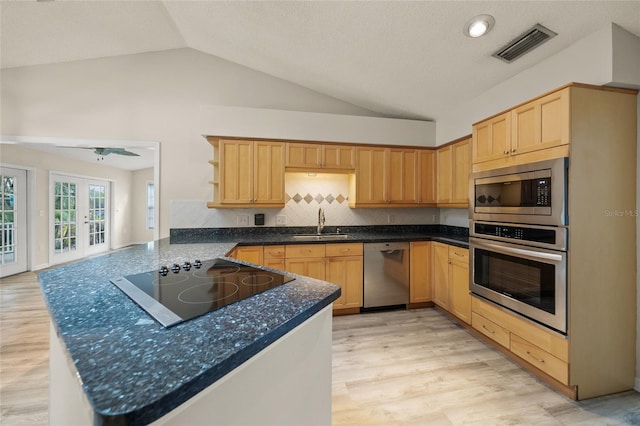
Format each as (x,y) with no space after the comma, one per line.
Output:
(13,221)
(80,217)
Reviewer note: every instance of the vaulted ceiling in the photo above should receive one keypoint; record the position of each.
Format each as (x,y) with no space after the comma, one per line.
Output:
(395,58)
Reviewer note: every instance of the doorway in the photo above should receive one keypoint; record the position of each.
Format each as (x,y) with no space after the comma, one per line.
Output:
(79,211)
(13,221)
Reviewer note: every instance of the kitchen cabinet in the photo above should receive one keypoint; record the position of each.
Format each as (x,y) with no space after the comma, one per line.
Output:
(420,272)
(427,190)
(312,156)
(306,259)
(251,254)
(453,165)
(344,267)
(451,280)
(274,257)
(532,127)
(384,176)
(247,173)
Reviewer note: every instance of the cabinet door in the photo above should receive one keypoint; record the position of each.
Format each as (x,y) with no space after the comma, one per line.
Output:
(402,177)
(460,175)
(309,267)
(460,299)
(347,272)
(338,157)
(492,138)
(540,124)
(441,275)
(274,257)
(268,173)
(236,180)
(304,155)
(426,176)
(251,254)
(371,171)
(444,161)
(420,267)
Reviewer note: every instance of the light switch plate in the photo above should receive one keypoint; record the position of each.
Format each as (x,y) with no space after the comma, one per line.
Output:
(281,219)
(243,220)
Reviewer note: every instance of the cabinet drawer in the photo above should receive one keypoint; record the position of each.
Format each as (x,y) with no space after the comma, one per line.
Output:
(543,360)
(490,329)
(458,253)
(304,250)
(344,249)
(274,252)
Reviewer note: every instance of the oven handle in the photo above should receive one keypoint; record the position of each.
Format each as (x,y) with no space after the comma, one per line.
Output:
(523,253)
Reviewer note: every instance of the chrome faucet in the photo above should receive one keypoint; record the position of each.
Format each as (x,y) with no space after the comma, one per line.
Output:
(320,220)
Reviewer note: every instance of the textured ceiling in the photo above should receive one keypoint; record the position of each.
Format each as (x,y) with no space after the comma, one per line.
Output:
(396,58)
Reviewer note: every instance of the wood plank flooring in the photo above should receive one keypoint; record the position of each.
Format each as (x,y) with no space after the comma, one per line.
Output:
(392,368)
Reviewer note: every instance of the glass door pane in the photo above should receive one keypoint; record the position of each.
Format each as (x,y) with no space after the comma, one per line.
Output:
(13,221)
(65,216)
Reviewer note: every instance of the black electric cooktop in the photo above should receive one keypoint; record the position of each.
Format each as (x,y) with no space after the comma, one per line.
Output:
(184,291)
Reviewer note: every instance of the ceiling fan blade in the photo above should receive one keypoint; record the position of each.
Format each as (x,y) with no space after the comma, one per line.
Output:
(118,151)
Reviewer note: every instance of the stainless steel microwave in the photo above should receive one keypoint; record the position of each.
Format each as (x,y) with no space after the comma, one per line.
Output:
(534,193)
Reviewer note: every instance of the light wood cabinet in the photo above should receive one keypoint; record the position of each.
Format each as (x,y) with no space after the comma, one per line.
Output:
(386,176)
(312,156)
(459,296)
(537,125)
(427,169)
(420,272)
(441,275)
(306,259)
(453,165)
(247,173)
(344,267)
(274,257)
(451,280)
(251,254)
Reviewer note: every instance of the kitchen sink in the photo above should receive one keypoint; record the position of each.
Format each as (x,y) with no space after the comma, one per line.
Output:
(320,237)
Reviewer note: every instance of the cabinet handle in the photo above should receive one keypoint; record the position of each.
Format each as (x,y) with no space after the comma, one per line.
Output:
(488,329)
(506,152)
(536,358)
(458,254)
(346,250)
(513,150)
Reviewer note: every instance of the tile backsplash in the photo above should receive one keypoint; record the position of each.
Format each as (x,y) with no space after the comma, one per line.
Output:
(306,193)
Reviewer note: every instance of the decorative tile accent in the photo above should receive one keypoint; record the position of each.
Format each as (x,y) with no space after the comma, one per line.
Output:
(308,198)
(319,198)
(340,199)
(287,198)
(297,198)
(329,199)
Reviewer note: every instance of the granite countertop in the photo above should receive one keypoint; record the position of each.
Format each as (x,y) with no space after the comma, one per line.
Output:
(133,370)
(457,236)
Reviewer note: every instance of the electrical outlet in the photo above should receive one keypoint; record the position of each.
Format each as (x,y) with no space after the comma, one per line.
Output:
(391,218)
(243,220)
(281,219)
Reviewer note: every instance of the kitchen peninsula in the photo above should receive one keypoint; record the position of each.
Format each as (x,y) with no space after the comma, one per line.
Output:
(111,363)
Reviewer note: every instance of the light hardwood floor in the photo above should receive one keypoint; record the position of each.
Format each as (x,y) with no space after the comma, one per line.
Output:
(393,368)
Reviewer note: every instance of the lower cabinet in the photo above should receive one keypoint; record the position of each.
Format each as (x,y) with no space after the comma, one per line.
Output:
(345,268)
(541,348)
(305,259)
(251,254)
(451,280)
(420,272)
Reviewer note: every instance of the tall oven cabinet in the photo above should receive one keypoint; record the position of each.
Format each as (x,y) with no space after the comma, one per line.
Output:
(596,128)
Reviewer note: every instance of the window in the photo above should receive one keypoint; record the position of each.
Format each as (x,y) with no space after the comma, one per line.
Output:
(150,205)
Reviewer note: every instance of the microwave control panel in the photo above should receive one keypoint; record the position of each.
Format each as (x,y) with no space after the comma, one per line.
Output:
(543,192)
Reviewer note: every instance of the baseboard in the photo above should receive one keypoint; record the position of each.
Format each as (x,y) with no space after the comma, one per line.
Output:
(45,266)
(637,384)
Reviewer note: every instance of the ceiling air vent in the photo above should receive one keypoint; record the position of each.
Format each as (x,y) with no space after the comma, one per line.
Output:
(524,43)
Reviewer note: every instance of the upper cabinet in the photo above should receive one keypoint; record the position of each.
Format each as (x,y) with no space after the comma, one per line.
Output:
(247,173)
(391,177)
(311,156)
(519,135)
(453,165)
(427,169)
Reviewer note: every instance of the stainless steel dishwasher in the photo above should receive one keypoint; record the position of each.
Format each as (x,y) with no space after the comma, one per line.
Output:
(386,274)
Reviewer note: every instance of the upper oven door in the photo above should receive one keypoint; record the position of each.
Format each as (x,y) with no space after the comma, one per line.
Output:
(533,193)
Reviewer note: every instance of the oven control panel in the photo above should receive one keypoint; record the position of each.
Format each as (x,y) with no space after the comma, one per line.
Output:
(512,232)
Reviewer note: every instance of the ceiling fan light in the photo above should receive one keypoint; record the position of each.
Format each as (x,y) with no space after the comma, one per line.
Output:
(479,26)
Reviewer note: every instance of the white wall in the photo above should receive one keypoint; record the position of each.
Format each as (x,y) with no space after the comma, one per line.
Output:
(43,163)
(154,96)
(139,231)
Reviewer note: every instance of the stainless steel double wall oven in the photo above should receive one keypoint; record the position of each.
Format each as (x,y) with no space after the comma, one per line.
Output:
(518,241)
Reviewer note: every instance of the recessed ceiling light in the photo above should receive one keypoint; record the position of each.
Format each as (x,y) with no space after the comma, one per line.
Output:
(479,26)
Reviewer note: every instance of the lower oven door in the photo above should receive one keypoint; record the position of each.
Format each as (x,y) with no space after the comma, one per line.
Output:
(528,280)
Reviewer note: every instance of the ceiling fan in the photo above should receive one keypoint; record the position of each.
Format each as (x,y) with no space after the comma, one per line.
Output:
(101,152)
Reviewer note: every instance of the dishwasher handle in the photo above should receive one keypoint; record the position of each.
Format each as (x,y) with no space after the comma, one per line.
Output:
(390,246)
